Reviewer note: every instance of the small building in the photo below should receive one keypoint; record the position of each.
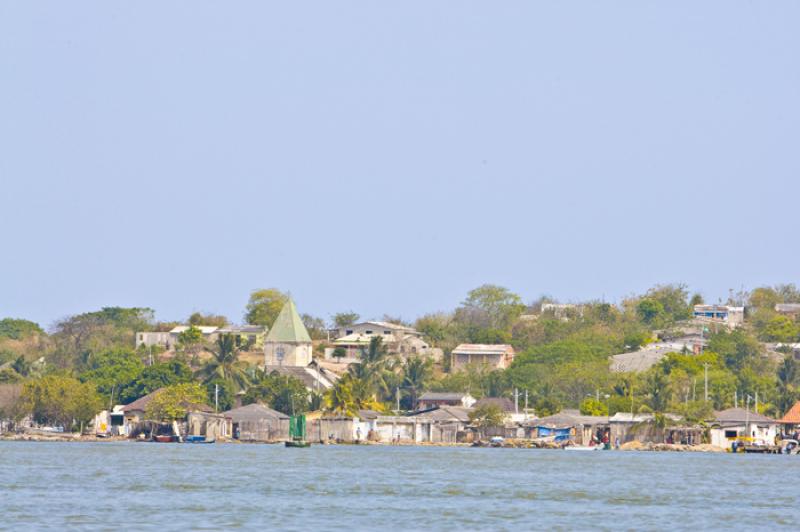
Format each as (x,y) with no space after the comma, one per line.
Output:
(790,422)
(448,424)
(495,356)
(725,314)
(288,342)
(733,423)
(788,309)
(257,422)
(627,427)
(134,413)
(562,311)
(436,399)
(398,339)
(569,425)
(250,337)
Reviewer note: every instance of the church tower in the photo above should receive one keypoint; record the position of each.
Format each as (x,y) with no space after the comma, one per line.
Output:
(288,342)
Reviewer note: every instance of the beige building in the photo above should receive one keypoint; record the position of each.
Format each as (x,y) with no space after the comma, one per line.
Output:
(495,356)
(288,342)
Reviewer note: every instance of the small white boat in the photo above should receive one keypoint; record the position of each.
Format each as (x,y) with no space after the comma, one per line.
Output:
(582,448)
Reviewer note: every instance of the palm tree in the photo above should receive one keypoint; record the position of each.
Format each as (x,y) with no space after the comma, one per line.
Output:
(416,373)
(340,397)
(225,364)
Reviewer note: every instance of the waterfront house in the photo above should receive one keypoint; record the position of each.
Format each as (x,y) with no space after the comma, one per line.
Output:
(433,399)
(733,423)
(256,422)
(494,356)
(790,422)
(288,342)
(448,423)
(625,427)
(134,414)
(568,425)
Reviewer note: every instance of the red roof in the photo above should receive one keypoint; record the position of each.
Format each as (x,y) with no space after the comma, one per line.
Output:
(792,417)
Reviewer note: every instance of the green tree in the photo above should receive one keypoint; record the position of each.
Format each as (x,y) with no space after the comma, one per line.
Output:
(417,372)
(315,327)
(111,370)
(345,319)
(190,339)
(211,320)
(339,398)
(264,306)
(220,393)
(60,400)
(174,402)
(788,373)
(490,306)
(339,353)
(154,377)
(18,329)
(225,364)
(780,329)
(487,415)
(283,393)
(592,407)
(651,312)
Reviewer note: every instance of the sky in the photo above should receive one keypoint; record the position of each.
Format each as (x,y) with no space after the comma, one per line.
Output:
(387,157)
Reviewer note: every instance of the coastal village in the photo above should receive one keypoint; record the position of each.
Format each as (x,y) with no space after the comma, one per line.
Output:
(295,386)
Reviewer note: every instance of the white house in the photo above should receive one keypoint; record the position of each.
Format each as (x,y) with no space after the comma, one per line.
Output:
(398,339)
(496,356)
(740,423)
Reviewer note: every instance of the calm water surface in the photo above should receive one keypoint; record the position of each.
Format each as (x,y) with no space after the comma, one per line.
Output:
(161,486)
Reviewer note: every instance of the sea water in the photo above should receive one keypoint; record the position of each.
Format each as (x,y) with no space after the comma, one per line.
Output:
(131,485)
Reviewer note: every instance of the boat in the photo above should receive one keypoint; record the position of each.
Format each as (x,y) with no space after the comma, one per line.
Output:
(297,431)
(582,448)
(198,439)
(164,438)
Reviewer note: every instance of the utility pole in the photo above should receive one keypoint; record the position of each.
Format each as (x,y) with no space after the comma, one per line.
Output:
(526,404)
(516,400)
(216,398)
(735,398)
(397,398)
(756,402)
(705,378)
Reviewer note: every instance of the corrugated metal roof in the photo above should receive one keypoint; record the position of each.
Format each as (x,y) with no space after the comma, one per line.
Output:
(482,349)
(740,415)
(254,412)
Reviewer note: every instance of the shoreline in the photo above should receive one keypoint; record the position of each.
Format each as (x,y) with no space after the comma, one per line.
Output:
(511,444)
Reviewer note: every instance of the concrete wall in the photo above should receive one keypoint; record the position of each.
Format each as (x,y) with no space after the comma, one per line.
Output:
(293,354)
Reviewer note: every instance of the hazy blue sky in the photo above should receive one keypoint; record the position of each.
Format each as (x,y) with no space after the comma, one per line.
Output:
(388,157)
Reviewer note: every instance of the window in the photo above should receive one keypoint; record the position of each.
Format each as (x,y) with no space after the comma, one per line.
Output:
(348,331)
(387,332)
(367,332)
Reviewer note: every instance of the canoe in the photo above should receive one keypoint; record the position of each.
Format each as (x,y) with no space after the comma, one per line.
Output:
(164,438)
(298,443)
(582,448)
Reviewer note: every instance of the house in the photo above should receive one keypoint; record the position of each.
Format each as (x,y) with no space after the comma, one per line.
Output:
(495,356)
(733,423)
(727,315)
(569,425)
(434,399)
(249,336)
(447,424)
(255,422)
(288,342)
(110,422)
(790,422)
(398,339)
(134,413)
(645,358)
(625,427)
(201,420)
(788,309)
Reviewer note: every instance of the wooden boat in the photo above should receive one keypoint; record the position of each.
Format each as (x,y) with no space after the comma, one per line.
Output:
(297,431)
(164,438)
(198,439)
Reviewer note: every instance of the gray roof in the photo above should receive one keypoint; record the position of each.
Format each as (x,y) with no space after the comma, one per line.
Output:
(442,396)
(564,419)
(505,404)
(446,413)
(643,359)
(254,412)
(740,415)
